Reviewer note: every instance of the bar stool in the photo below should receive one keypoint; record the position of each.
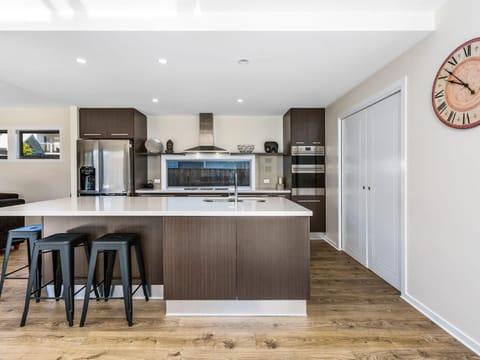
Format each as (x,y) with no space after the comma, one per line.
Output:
(31,233)
(62,248)
(110,244)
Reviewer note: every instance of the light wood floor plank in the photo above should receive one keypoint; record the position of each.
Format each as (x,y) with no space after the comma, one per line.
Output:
(352,315)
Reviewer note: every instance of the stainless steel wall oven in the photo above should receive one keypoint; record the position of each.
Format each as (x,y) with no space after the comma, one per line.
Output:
(308,170)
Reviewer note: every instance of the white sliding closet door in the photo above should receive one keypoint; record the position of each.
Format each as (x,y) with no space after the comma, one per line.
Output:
(371,187)
(383,179)
(353,179)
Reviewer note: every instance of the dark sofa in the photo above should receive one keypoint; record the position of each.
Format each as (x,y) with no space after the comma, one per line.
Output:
(9,222)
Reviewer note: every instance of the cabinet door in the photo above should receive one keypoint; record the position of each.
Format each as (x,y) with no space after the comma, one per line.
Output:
(120,123)
(273,258)
(383,179)
(315,123)
(91,125)
(298,127)
(106,123)
(354,187)
(317,205)
(199,258)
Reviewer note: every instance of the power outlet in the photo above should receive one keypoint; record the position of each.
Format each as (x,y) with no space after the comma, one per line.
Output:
(266,181)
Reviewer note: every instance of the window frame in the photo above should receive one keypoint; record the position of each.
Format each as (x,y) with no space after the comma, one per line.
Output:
(4,157)
(39,131)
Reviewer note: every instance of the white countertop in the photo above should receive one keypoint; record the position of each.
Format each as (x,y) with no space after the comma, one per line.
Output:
(155,206)
(189,192)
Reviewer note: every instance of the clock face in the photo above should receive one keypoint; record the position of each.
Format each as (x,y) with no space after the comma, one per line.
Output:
(456,88)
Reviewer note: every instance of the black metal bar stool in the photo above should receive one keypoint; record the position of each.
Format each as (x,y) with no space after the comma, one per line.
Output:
(62,248)
(110,244)
(31,233)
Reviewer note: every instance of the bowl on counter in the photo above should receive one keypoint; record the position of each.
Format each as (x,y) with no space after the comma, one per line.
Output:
(245,148)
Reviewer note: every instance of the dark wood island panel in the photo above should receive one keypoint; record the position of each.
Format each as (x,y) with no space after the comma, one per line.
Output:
(149,228)
(199,258)
(273,258)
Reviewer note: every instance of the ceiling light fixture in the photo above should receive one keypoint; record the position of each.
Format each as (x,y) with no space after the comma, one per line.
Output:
(155,100)
(81,60)
(162,61)
(243,61)
(239,101)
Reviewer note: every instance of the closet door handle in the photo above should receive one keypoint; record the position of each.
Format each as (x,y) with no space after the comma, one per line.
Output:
(363,187)
(369,188)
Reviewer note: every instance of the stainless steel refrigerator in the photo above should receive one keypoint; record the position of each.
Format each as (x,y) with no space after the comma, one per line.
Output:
(104,167)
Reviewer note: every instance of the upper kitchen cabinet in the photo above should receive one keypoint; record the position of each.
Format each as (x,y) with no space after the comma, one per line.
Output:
(112,124)
(303,127)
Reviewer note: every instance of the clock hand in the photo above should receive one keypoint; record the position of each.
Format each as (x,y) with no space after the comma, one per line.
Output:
(460,83)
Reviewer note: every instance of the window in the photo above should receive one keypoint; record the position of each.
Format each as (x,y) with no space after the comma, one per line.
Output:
(39,144)
(3,144)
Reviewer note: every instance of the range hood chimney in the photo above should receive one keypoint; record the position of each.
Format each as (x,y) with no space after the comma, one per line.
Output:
(206,143)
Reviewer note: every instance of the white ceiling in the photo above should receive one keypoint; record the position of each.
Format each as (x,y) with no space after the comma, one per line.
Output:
(287,68)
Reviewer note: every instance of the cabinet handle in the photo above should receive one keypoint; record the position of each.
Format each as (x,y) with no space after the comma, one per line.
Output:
(92,134)
(369,188)
(317,142)
(308,201)
(363,187)
(118,134)
(299,142)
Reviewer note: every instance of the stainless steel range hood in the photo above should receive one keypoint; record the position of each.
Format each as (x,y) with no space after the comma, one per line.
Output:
(206,143)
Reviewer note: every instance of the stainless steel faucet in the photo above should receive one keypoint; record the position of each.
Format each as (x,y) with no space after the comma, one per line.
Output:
(235,188)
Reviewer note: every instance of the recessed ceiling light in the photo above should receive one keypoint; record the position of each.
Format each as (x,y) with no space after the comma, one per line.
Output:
(162,61)
(81,60)
(155,100)
(243,61)
(239,101)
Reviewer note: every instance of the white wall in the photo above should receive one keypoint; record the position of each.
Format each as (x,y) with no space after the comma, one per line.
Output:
(36,179)
(443,174)
(229,131)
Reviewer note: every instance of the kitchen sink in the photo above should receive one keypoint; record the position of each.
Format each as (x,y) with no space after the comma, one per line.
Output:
(230,200)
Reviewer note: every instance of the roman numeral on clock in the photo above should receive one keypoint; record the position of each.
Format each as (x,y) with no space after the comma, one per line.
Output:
(466,118)
(451,116)
(439,94)
(467,50)
(441,108)
(453,61)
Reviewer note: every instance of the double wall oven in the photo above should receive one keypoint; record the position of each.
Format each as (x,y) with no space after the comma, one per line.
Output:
(308,170)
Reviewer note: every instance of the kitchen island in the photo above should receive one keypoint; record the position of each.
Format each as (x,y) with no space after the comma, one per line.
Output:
(213,256)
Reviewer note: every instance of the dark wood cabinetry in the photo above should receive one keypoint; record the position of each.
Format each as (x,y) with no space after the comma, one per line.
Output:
(110,123)
(199,255)
(304,174)
(118,123)
(272,258)
(317,205)
(245,258)
(303,127)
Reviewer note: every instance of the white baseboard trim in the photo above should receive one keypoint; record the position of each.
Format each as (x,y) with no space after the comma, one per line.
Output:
(444,324)
(236,308)
(330,242)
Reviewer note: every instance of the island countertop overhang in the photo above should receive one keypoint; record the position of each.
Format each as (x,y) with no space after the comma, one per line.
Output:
(155,206)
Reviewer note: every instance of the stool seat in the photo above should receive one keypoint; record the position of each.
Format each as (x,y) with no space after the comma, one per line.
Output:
(28,228)
(110,244)
(129,238)
(61,239)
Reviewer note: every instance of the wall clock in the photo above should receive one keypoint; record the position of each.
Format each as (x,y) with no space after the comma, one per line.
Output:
(456,88)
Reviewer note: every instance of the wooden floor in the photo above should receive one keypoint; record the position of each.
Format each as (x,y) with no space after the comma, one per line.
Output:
(352,314)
